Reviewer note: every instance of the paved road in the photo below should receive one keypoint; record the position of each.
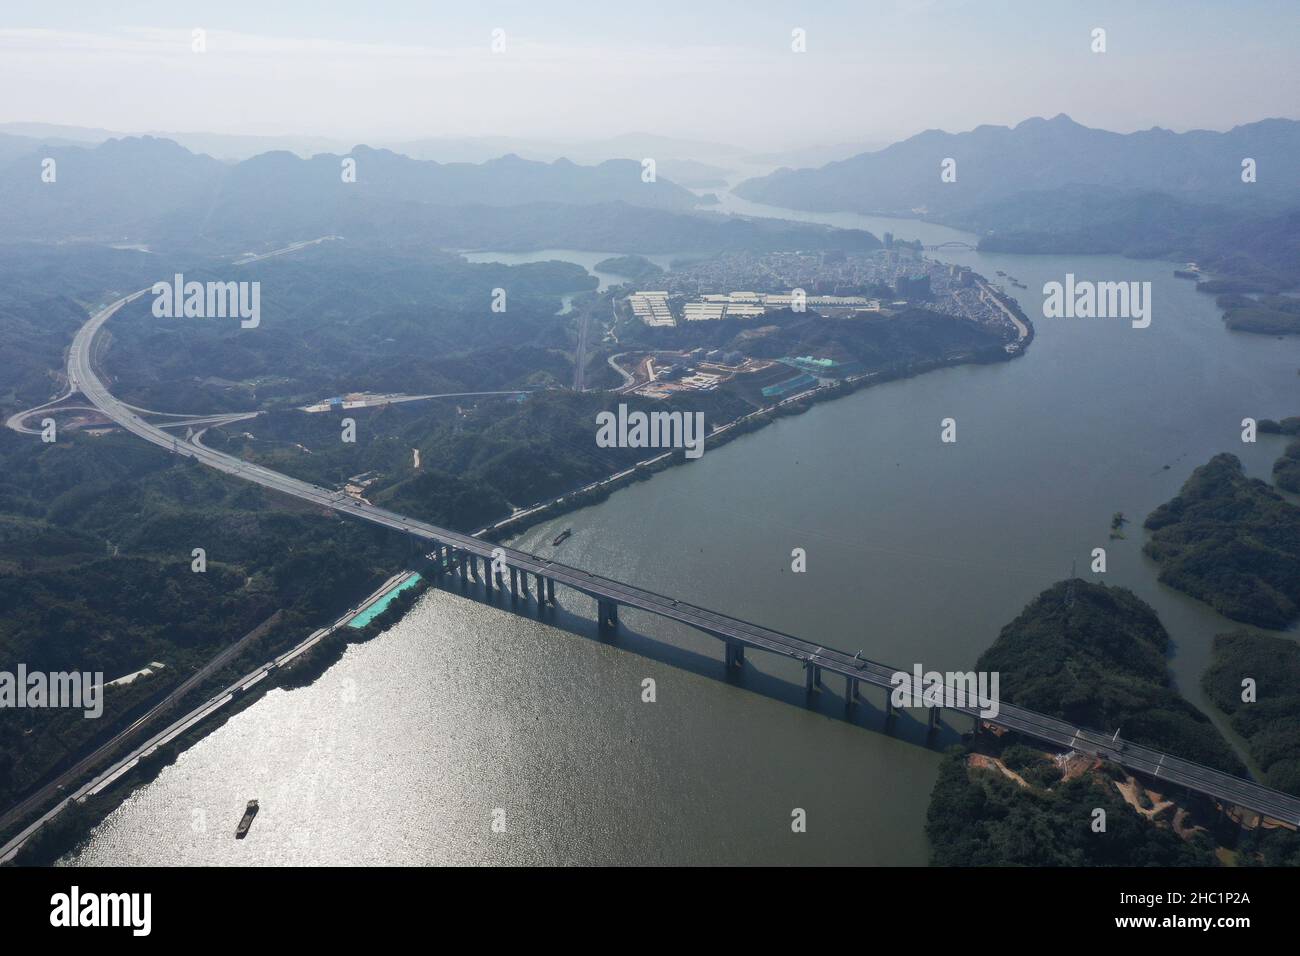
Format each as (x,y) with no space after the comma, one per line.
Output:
(16,420)
(292,247)
(580,352)
(1163,767)
(80,768)
(379,401)
(628,378)
(207,421)
(986,293)
(182,724)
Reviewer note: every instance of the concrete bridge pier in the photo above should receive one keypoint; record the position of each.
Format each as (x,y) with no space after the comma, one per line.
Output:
(934,719)
(541,592)
(460,565)
(607,616)
(812,677)
(550,591)
(735,655)
(850,692)
(889,706)
(514,584)
(488,574)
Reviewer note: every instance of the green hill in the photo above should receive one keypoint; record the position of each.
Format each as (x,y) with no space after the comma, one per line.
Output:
(1231,541)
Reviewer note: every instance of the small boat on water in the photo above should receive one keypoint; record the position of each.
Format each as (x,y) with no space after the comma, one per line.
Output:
(250,811)
(561,537)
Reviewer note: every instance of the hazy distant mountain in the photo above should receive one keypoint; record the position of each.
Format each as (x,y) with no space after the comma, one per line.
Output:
(141,185)
(614,227)
(226,146)
(119,189)
(12,146)
(52,132)
(694,175)
(636,146)
(995,162)
(507,181)
(813,155)
(1223,238)
(442,149)
(690,163)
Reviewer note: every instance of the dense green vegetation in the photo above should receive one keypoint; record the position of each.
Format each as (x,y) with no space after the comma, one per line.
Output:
(45,327)
(1096,656)
(1254,255)
(1287,426)
(96,536)
(629,267)
(1231,541)
(1099,661)
(478,460)
(337,320)
(978,817)
(887,342)
(1268,314)
(1272,847)
(1286,470)
(96,533)
(44,295)
(1268,723)
(1254,252)
(340,319)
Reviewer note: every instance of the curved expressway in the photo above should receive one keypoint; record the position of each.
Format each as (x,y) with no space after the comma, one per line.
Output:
(1222,786)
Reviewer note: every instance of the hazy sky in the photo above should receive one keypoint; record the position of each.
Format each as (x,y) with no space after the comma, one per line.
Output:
(874,69)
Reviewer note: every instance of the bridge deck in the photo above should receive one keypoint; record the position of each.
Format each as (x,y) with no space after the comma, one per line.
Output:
(1060,733)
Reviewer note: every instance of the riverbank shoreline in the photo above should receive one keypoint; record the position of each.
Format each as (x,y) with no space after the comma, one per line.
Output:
(597,491)
(315,655)
(298,666)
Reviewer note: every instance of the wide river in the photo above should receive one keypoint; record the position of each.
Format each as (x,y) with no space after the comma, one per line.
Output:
(408,749)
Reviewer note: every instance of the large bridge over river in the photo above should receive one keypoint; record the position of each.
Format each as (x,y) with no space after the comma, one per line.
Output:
(952,244)
(533,578)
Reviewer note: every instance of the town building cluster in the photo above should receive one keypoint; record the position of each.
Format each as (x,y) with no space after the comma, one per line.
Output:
(833,284)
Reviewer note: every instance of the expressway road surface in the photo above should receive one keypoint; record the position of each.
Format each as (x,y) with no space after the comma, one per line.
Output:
(1206,780)
(82,766)
(173,730)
